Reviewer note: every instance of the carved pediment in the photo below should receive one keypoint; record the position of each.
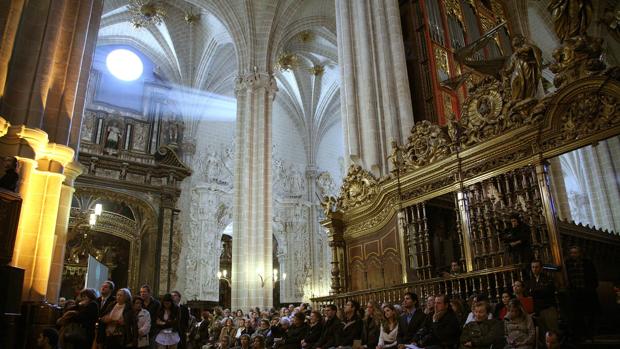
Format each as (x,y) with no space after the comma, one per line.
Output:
(426,144)
(358,187)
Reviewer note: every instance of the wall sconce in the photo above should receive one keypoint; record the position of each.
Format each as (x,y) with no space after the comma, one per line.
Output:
(223,275)
(259,271)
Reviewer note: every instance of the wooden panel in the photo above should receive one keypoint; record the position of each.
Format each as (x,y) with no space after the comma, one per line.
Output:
(375,260)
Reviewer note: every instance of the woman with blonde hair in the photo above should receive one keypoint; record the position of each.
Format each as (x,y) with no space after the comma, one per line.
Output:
(372,325)
(519,327)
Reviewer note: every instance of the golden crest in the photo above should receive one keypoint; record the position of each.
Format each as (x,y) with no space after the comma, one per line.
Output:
(426,144)
(358,187)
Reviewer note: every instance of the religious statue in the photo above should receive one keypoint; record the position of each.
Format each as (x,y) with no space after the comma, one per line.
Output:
(112,138)
(523,70)
(329,204)
(396,157)
(570,17)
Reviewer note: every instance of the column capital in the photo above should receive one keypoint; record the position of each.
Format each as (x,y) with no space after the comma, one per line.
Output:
(254,81)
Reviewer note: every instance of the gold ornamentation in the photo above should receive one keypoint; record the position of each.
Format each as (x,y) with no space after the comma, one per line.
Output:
(306,36)
(426,144)
(571,18)
(146,12)
(498,11)
(441,59)
(191,17)
(317,70)
(589,113)
(522,74)
(487,23)
(577,58)
(454,8)
(482,112)
(358,188)
(287,61)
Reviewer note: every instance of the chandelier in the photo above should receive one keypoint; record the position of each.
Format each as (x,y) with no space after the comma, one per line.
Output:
(145,12)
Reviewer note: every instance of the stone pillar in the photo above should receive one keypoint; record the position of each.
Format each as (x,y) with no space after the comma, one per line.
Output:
(45,54)
(376,102)
(41,166)
(46,48)
(252,265)
(71,171)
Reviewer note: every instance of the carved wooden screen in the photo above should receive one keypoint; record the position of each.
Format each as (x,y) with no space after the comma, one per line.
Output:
(491,202)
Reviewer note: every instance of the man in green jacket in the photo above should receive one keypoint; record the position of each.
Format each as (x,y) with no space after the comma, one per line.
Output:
(484,332)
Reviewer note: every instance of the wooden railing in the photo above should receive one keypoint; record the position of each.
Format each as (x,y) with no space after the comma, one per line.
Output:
(489,281)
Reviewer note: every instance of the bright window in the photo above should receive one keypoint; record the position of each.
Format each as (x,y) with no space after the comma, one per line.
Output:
(124,65)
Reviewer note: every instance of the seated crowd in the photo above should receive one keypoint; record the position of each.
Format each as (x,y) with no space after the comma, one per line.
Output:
(524,315)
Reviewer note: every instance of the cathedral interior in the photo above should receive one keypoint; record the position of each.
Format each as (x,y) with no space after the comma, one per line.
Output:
(260,153)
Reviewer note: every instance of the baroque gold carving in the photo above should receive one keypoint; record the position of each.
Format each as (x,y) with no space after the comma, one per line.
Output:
(358,188)
(426,144)
(441,59)
(482,112)
(589,113)
(454,8)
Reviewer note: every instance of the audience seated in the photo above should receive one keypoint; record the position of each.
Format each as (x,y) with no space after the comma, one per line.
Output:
(442,329)
(526,301)
(501,309)
(352,325)
(372,325)
(389,328)
(330,329)
(411,320)
(482,332)
(519,327)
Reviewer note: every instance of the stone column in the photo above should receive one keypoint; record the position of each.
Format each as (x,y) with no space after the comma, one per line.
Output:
(376,102)
(71,171)
(45,54)
(252,282)
(46,48)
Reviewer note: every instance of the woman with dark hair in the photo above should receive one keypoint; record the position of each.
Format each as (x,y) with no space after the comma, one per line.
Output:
(121,330)
(229,329)
(372,325)
(389,328)
(168,324)
(315,330)
(501,309)
(519,327)
(78,323)
(352,325)
(143,322)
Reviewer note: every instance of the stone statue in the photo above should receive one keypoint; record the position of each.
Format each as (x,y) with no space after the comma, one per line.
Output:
(329,204)
(570,17)
(112,139)
(523,70)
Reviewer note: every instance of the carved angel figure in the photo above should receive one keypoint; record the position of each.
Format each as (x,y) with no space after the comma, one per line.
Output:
(329,204)
(523,69)
(570,17)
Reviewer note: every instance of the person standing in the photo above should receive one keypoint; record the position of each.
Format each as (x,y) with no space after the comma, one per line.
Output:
(184,316)
(143,322)
(106,297)
(542,290)
(582,284)
(152,305)
(167,324)
(517,240)
(120,326)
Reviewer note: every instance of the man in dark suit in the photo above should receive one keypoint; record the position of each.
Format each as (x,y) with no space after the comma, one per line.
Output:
(105,299)
(411,320)
(331,329)
(183,319)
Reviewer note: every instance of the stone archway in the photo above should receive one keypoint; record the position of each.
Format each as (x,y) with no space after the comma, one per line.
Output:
(122,239)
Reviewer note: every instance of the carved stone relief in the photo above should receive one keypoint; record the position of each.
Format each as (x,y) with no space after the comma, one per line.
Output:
(209,213)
